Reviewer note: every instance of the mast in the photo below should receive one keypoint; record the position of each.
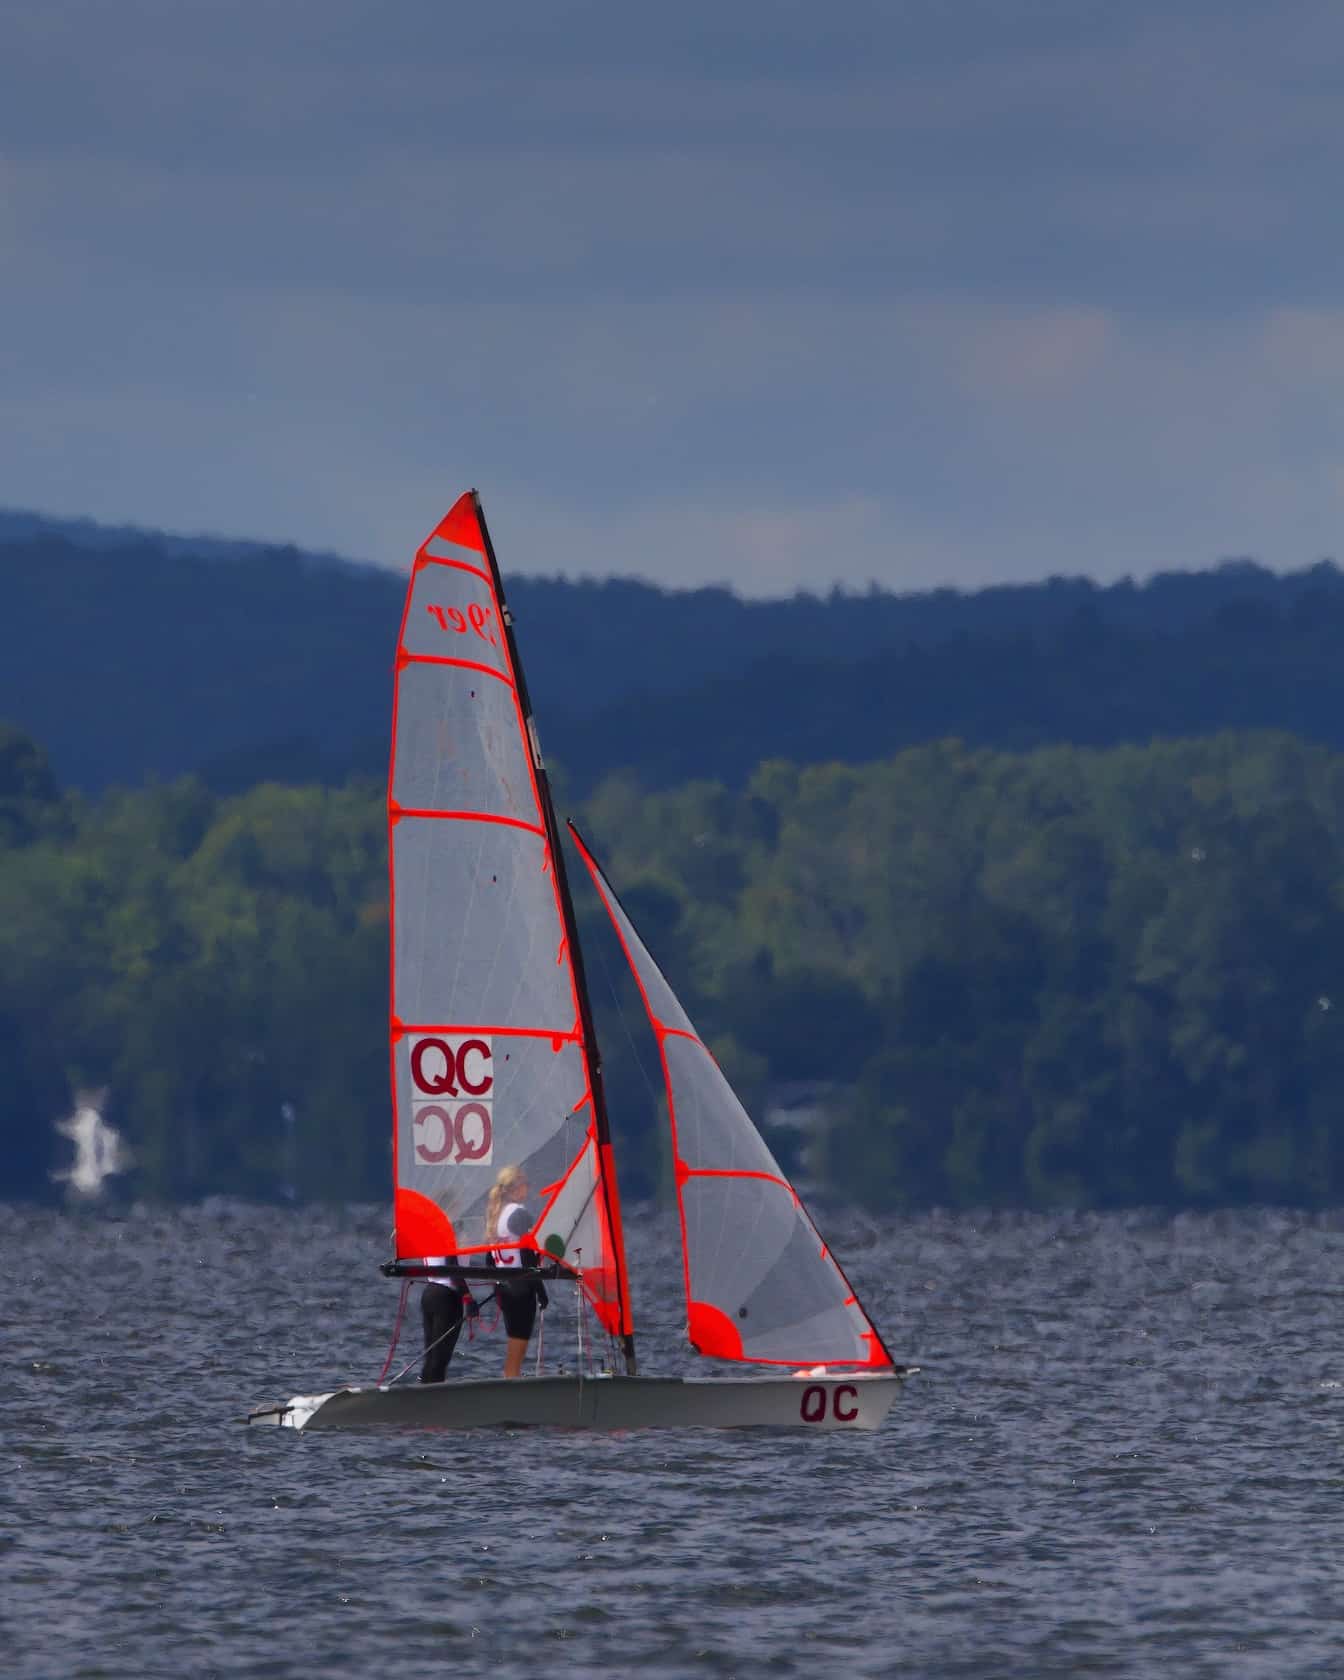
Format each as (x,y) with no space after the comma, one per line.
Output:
(610,1192)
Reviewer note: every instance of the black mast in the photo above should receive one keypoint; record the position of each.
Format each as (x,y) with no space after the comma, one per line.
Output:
(571,927)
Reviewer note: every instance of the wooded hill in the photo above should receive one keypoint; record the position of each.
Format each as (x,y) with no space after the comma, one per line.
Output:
(129,655)
(1077,977)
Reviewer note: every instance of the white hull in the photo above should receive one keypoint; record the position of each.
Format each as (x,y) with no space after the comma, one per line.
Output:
(832,1402)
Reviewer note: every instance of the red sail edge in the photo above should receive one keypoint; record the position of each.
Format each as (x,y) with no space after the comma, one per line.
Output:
(493,1062)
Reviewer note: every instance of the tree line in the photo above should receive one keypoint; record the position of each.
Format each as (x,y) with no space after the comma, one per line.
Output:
(121,652)
(1066,977)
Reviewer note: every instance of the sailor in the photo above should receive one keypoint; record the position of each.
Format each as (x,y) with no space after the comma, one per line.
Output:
(507,1221)
(443,1304)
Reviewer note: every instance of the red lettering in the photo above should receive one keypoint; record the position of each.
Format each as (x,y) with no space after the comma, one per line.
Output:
(482,1049)
(472,1149)
(441,1082)
(852,1393)
(448,618)
(422,1150)
(480,618)
(813,1408)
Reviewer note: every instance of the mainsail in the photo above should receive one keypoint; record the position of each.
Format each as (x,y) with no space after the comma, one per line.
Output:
(493,1056)
(761,1285)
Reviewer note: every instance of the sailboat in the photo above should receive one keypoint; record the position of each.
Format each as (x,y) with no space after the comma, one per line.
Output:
(494,1062)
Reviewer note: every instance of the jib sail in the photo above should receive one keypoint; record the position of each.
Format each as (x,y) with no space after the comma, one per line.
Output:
(761,1285)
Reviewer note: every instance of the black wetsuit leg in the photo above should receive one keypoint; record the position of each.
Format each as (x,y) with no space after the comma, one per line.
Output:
(441,1312)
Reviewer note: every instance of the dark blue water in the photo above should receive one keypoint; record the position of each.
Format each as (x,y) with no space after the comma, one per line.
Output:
(1122,1458)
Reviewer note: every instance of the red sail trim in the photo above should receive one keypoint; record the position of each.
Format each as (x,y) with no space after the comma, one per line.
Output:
(736,1172)
(460,524)
(882,1363)
(399,811)
(421,1224)
(460,664)
(425,558)
(711,1332)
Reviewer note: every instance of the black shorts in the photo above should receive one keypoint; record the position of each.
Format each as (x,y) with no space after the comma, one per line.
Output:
(518,1307)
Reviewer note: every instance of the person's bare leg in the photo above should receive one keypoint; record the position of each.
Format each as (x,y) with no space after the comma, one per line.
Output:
(514,1351)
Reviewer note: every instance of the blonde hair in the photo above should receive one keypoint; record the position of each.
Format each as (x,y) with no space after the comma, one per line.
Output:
(508,1180)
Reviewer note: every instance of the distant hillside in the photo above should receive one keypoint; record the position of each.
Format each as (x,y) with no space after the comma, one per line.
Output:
(132,654)
(1090,683)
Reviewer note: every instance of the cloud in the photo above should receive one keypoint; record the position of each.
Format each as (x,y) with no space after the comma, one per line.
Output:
(926,294)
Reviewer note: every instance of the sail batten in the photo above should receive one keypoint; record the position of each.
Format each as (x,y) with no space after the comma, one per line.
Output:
(761,1285)
(457,664)
(398,811)
(494,1061)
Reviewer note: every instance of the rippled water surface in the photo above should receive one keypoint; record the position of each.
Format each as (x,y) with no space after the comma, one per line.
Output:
(1122,1457)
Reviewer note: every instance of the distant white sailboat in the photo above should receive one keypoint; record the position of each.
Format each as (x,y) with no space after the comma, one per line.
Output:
(99,1150)
(495,1062)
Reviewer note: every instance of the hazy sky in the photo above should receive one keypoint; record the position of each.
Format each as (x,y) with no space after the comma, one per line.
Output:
(927,291)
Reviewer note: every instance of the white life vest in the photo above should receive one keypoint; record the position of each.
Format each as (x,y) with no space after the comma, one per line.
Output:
(509,1254)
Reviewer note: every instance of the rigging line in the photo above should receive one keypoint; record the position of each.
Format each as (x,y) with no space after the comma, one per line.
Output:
(396,1330)
(426,1352)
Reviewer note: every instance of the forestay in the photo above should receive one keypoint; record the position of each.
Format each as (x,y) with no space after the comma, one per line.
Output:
(761,1285)
(492,1063)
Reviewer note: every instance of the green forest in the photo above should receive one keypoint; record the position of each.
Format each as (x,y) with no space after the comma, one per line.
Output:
(1072,977)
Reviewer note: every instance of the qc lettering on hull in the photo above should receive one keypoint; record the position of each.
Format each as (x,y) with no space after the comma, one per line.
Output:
(842,1403)
(452,1100)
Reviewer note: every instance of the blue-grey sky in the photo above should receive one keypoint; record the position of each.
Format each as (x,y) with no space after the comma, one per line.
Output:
(921,291)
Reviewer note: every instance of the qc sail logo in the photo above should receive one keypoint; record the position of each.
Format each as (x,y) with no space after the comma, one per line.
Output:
(452,1100)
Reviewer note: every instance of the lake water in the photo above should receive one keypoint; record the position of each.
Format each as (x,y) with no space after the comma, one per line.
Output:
(1122,1457)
